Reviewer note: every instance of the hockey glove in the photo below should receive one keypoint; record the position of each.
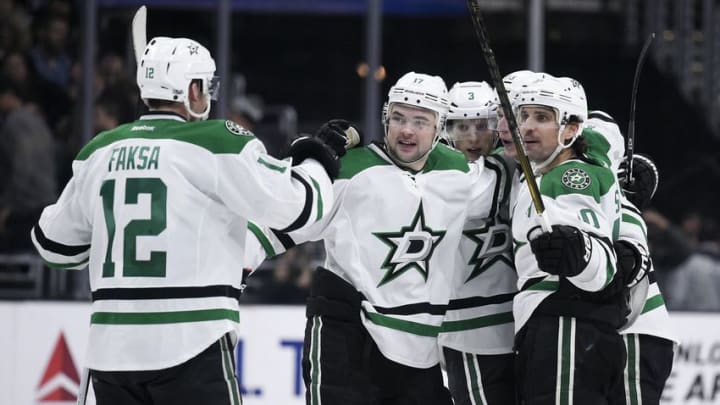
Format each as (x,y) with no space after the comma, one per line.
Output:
(564,252)
(326,146)
(645,181)
(633,262)
(335,134)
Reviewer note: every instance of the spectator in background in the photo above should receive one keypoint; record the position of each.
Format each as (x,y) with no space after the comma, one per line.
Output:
(694,284)
(49,56)
(27,161)
(15,68)
(668,244)
(14,28)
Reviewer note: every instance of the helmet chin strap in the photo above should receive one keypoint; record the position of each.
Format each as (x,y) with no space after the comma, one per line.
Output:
(538,168)
(201,116)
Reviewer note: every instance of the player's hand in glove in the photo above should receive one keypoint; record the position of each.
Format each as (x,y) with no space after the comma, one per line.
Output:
(338,134)
(645,181)
(564,252)
(326,146)
(633,262)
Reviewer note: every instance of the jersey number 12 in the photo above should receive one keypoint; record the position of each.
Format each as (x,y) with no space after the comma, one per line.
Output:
(155,267)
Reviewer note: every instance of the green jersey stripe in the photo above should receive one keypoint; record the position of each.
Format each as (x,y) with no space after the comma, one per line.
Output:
(479,322)
(473,375)
(653,302)
(402,325)
(319,199)
(149,318)
(271,166)
(632,220)
(264,241)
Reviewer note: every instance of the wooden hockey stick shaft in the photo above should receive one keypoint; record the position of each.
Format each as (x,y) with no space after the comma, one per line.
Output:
(489,55)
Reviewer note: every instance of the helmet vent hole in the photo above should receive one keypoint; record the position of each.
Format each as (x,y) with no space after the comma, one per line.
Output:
(152,42)
(175,97)
(406,99)
(174,49)
(146,51)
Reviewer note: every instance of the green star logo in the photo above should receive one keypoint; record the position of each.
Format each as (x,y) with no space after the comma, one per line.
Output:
(576,178)
(411,248)
(492,244)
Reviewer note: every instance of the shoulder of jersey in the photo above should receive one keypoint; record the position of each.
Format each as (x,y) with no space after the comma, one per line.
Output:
(577,177)
(598,147)
(359,159)
(216,136)
(444,157)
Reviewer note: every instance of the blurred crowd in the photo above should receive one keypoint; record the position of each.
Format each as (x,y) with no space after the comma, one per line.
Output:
(40,132)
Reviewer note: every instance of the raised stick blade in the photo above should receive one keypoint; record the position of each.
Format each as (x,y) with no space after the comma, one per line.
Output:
(139,34)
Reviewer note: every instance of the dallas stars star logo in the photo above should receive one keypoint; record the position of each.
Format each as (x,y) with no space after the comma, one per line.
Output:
(411,248)
(492,245)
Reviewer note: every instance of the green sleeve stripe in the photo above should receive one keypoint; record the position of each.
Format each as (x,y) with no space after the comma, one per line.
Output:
(609,268)
(271,166)
(319,199)
(264,241)
(652,303)
(544,285)
(150,318)
(475,323)
(632,220)
(402,325)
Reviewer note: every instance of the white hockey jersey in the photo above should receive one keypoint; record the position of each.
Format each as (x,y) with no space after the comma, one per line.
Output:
(393,234)
(158,209)
(653,318)
(479,319)
(577,194)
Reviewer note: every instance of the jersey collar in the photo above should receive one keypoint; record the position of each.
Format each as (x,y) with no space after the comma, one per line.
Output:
(162,115)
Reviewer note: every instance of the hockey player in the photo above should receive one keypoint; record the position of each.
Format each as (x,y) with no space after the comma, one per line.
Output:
(377,305)
(477,333)
(647,336)
(153,208)
(567,346)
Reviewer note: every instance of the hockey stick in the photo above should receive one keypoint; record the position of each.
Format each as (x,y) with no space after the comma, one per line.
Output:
(630,147)
(489,55)
(84,386)
(139,33)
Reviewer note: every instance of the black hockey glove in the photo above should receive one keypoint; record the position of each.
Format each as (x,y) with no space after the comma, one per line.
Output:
(633,263)
(326,146)
(564,252)
(645,181)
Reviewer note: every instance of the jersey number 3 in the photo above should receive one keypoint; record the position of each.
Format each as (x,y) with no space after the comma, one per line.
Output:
(132,267)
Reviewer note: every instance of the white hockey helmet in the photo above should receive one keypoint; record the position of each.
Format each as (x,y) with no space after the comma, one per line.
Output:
(513,82)
(420,90)
(472,100)
(564,95)
(169,65)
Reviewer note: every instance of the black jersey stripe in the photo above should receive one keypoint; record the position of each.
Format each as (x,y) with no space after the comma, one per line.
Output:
(472,302)
(412,309)
(284,239)
(632,208)
(601,117)
(302,219)
(56,247)
(160,293)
